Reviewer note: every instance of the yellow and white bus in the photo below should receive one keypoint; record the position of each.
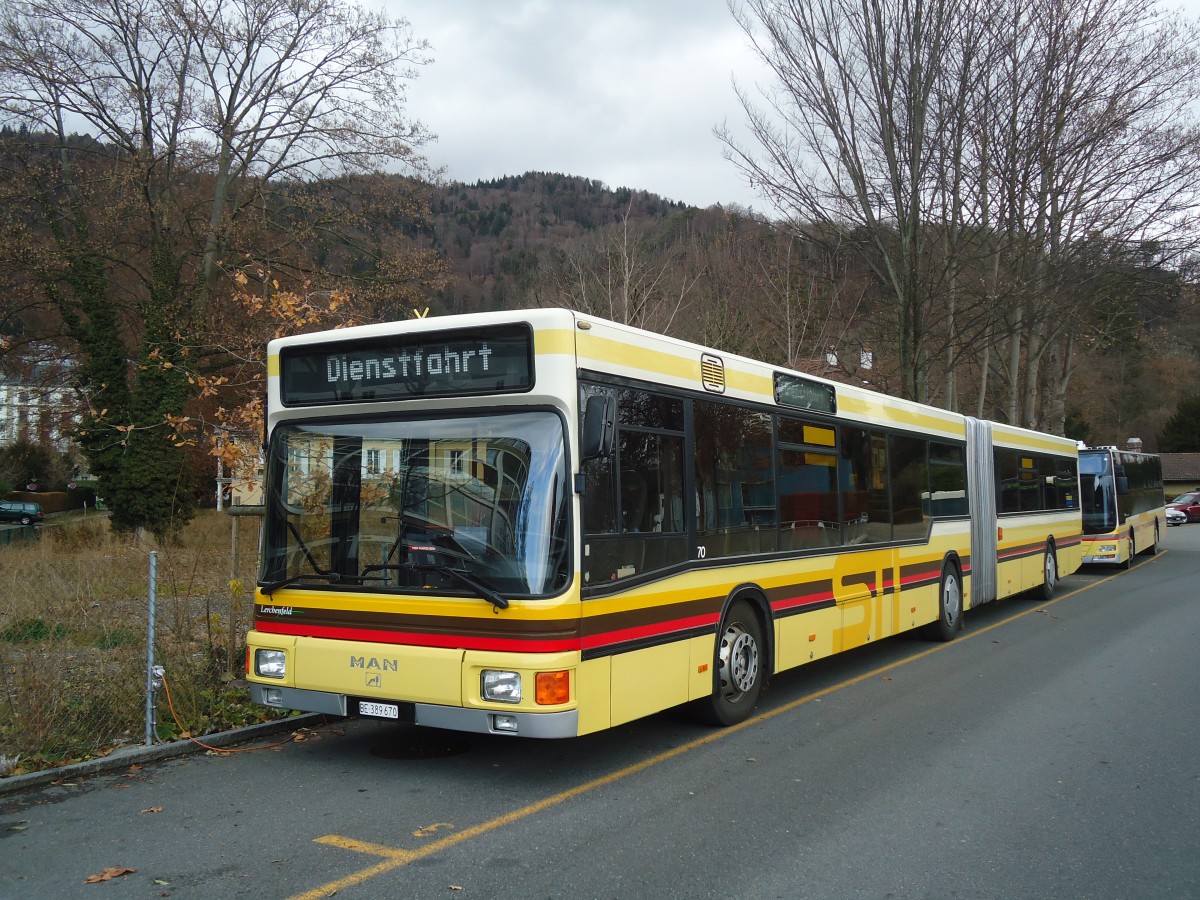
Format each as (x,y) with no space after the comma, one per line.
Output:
(545,524)
(1124,506)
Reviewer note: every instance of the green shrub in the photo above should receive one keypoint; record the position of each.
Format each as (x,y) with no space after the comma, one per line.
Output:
(30,631)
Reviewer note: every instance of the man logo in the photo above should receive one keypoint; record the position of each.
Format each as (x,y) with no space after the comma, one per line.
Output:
(375,681)
(372,662)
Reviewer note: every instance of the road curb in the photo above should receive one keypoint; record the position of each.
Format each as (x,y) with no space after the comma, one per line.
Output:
(127,756)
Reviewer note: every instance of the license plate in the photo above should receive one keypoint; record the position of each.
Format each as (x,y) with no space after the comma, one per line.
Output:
(379,710)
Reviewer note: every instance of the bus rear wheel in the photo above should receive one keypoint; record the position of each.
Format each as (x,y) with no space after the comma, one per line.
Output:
(950,605)
(1050,580)
(738,665)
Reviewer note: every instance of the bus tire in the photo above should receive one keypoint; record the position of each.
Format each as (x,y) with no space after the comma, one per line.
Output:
(1128,564)
(1050,573)
(738,668)
(1153,551)
(950,605)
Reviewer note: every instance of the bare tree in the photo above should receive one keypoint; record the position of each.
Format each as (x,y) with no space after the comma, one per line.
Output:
(196,110)
(1096,143)
(845,137)
(974,150)
(630,273)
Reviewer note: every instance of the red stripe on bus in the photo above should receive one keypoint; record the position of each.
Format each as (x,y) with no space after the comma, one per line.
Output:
(641,632)
(921,578)
(416,639)
(802,600)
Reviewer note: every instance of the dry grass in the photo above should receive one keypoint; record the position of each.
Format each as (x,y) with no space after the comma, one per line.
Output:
(73,631)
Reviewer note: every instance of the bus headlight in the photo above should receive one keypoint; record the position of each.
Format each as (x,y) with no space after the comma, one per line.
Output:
(500,687)
(270,663)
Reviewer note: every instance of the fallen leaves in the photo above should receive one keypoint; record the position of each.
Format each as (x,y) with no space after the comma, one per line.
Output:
(109,874)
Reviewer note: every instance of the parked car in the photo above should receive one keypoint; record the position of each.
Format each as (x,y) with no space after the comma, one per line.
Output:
(1176,516)
(1188,504)
(20,511)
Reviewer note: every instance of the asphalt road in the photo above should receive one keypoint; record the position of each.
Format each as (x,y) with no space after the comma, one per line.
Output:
(1050,751)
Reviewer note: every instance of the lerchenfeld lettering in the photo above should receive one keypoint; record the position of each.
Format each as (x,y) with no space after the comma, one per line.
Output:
(421,362)
(371,662)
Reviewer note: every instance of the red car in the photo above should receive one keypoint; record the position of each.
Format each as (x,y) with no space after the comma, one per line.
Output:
(1188,504)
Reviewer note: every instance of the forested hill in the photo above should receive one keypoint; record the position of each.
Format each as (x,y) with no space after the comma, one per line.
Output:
(495,235)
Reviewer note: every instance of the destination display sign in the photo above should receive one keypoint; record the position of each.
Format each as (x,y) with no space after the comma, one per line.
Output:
(395,367)
(804,393)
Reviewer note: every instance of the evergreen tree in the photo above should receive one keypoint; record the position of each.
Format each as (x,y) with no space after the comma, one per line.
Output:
(1181,434)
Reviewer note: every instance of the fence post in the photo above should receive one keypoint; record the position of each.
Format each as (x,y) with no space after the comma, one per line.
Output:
(153,673)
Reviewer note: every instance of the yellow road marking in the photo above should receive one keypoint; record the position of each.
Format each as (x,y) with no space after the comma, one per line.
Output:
(429,830)
(346,843)
(396,857)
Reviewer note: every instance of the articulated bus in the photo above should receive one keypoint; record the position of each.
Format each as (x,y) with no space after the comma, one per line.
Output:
(546,524)
(1124,506)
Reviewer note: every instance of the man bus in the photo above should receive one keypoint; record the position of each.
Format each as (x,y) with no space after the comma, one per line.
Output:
(542,523)
(1123,504)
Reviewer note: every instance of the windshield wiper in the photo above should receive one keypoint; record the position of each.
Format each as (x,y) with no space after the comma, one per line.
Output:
(475,584)
(491,595)
(268,587)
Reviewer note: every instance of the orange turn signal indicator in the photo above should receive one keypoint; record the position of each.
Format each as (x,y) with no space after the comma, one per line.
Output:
(552,688)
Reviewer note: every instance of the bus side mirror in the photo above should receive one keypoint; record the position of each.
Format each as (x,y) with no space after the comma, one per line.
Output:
(1122,484)
(599,426)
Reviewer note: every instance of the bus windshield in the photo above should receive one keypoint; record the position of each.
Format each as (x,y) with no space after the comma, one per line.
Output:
(1099,493)
(469,506)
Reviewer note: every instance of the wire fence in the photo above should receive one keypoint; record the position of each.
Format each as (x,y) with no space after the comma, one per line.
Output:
(77,640)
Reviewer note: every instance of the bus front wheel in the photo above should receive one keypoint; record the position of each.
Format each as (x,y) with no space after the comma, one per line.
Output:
(738,663)
(1131,547)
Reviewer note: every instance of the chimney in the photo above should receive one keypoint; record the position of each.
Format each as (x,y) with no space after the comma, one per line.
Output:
(1134,444)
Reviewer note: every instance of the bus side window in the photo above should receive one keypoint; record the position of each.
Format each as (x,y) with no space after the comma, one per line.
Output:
(808,486)
(910,485)
(735,479)
(633,518)
(863,476)
(599,497)
(947,480)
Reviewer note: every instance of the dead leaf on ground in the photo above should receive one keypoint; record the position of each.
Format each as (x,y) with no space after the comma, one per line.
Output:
(109,874)
(152,809)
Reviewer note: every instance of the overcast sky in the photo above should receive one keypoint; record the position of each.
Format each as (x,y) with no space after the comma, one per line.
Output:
(624,91)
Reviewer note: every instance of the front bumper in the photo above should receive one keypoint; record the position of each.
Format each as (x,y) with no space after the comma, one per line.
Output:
(479,721)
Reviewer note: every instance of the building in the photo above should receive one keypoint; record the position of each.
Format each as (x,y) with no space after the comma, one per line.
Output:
(38,407)
(1181,473)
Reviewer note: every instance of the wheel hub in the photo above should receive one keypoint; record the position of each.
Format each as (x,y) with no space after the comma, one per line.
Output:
(739,661)
(951,601)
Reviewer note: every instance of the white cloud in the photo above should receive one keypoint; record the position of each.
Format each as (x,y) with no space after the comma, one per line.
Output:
(623,91)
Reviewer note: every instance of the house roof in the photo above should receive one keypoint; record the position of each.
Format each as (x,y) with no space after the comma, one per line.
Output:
(1181,466)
